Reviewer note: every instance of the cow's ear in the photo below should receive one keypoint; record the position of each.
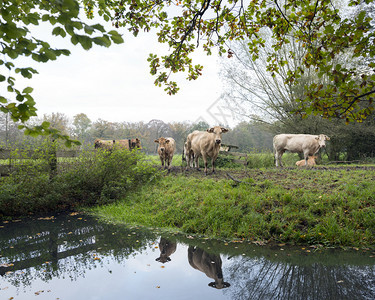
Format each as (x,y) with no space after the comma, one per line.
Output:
(167,141)
(327,138)
(156,141)
(224,129)
(210,130)
(317,138)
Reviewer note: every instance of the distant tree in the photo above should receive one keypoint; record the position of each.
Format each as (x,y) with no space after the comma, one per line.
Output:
(179,133)
(81,125)
(58,121)
(250,136)
(201,126)
(102,129)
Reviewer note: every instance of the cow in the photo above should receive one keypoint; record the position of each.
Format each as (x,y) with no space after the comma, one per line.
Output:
(205,144)
(301,143)
(167,248)
(166,149)
(310,161)
(129,144)
(187,155)
(209,264)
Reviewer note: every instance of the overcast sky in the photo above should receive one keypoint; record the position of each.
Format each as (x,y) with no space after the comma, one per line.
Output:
(115,84)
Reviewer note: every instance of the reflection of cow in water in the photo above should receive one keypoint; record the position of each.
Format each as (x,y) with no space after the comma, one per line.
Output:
(167,248)
(209,264)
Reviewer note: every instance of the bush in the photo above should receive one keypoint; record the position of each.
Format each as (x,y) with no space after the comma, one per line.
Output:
(96,177)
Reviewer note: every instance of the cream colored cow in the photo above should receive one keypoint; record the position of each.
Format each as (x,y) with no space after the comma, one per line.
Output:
(205,144)
(301,143)
(166,149)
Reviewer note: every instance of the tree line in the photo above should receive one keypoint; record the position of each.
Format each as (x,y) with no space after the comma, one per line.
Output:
(348,141)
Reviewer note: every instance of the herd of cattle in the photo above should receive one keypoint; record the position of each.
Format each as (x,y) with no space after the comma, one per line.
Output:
(206,144)
(208,263)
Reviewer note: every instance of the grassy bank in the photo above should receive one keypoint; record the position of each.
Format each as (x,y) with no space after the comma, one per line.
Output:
(319,206)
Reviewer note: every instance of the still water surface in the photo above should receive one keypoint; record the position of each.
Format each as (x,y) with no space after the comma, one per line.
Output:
(78,257)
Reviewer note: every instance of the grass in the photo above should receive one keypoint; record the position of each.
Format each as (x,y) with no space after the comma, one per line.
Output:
(326,207)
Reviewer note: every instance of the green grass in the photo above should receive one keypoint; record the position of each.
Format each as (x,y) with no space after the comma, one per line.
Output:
(334,207)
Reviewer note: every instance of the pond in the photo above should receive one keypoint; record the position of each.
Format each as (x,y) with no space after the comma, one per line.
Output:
(78,257)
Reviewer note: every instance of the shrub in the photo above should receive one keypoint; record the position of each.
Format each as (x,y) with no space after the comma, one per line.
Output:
(95,177)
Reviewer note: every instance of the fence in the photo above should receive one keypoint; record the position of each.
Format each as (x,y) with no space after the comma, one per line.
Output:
(10,156)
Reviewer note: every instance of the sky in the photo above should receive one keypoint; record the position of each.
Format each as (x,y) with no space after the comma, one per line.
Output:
(115,84)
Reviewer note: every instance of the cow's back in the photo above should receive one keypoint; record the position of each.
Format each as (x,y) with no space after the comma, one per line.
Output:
(293,142)
(205,143)
(171,146)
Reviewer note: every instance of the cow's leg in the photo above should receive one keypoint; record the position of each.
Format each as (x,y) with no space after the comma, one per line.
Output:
(278,155)
(196,161)
(306,156)
(213,165)
(204,156)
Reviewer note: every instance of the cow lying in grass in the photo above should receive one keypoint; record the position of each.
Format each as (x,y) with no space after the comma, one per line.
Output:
(310,161)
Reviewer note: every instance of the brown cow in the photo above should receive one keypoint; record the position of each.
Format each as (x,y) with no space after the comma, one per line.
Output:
(302,143)
(129,144)
(166,149)
(206,144)
(167,248)
(209,264)
(310,161)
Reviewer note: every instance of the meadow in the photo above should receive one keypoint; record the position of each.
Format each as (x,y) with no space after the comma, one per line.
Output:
(323,206)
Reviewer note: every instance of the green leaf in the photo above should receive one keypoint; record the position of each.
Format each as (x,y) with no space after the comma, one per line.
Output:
(117,39)
(2,78)
(27,90)
(85,41)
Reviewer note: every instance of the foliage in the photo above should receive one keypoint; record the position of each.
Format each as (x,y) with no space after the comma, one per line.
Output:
(323,30)
(315,206)
(96,177)
(17,40)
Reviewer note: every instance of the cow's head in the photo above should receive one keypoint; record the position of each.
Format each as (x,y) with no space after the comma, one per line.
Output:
(322,138)
(162,143)
(217,131)
(135,143)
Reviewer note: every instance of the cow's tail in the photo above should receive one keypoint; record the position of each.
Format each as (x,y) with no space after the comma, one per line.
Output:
(183,154)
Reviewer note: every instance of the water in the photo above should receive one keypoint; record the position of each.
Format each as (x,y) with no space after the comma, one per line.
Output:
(77,257)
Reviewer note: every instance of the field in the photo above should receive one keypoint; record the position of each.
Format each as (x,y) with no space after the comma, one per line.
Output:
(324,206)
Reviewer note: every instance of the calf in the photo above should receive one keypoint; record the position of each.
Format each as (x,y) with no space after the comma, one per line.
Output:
(310,161)
(166,149)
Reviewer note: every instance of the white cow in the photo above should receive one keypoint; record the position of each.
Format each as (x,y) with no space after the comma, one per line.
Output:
(205,144)
(301,143)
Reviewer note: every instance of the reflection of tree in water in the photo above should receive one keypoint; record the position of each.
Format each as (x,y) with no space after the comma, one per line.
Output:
(265,279)
(65,247)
